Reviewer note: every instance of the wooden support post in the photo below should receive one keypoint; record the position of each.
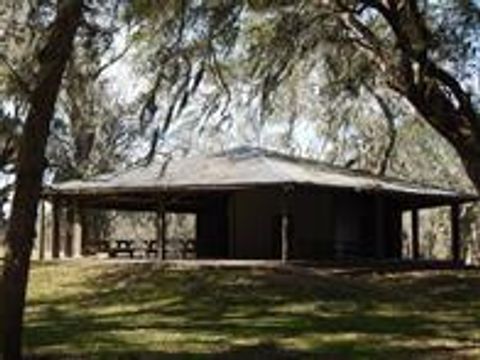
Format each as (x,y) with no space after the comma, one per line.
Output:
(455,229)
(415,235)
(77,232)
(284,223)
(284,237)
(160,229)
(42,235)
(68,249)
(56,229)
(85,223)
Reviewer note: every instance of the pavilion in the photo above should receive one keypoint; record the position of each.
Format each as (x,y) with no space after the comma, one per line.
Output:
(252,203)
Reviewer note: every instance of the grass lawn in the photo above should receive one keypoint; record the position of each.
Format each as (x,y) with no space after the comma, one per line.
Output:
(103,310)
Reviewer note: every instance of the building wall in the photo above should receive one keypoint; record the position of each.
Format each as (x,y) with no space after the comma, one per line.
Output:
(253,215)
(313,221)
(367,226)
(255,224)
(393,231)
(354,225)
(323,224)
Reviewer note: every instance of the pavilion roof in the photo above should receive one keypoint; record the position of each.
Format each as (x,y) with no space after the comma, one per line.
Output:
(245,167)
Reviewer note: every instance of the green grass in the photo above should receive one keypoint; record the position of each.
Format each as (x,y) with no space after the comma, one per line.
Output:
(99,310)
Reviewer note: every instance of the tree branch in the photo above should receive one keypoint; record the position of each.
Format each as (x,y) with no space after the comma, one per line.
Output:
(96,74)
(18,78)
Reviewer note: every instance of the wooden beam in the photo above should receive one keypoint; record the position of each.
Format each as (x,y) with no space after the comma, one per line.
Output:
(456,245)
(56,229)
(415,235)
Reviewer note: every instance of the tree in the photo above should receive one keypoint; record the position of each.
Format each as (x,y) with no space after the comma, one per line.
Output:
(425,51)
(52,59)
(417,74)
(92,131)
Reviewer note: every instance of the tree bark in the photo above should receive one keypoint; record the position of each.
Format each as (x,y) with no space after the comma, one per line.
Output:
(31,164)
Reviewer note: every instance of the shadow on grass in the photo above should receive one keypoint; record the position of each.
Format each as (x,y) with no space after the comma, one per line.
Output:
(262,351)
(143,312)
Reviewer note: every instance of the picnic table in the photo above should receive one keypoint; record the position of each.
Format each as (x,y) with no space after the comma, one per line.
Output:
(121,246)
(184,249)
(151,247)
(187,248)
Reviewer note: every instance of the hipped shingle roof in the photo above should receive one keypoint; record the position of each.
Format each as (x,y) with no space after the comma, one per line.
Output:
(244,167)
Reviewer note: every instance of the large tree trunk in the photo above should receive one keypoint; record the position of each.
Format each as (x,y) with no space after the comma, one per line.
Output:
(411,71)
(459,125)
(31,164)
